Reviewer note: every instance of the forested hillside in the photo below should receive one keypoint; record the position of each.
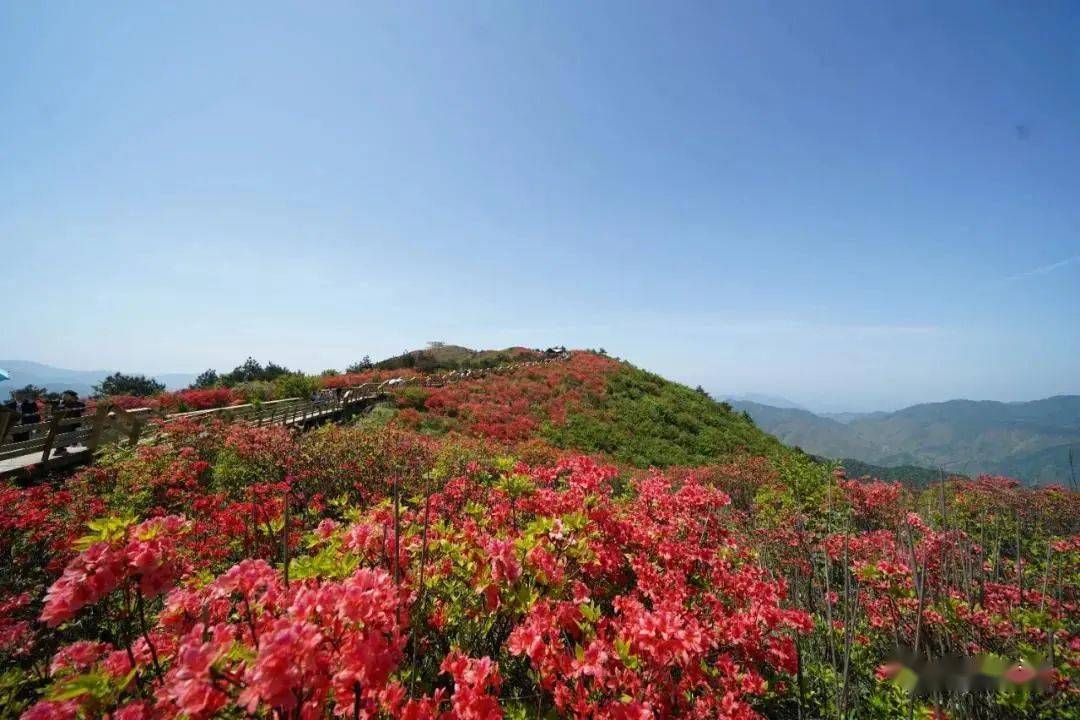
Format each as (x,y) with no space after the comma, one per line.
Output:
(1029,440)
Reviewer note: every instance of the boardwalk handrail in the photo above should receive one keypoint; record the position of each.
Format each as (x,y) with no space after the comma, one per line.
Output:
(228,409)
(65,428)
(108,423)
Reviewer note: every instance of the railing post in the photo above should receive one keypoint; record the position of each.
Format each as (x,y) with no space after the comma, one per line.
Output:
(8,420)
(100,416)
(136,430)
(54,425)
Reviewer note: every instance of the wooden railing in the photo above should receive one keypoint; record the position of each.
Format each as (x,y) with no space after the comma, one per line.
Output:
(23,446)
(33,444)
(65,428)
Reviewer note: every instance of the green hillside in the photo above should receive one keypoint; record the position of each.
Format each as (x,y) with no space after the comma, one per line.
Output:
(1048,466)
(910,475)
(644,420)
(584,401)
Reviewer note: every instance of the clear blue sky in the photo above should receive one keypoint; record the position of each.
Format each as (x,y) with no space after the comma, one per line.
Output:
(854,205)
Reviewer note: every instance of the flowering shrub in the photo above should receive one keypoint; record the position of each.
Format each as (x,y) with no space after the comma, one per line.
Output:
(233,571)
(184,400)
(346,380)
(140,559)
(512,406)
(179,401)
(130,402)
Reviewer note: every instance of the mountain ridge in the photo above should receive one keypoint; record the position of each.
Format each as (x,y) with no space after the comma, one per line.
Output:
(57,379)
(1027,439)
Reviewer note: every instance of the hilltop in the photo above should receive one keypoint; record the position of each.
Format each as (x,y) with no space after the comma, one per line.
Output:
(587,402)
(440,356)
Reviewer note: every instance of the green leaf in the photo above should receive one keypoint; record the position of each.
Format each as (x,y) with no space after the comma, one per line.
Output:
(106,529)
(96,685)
(590,612)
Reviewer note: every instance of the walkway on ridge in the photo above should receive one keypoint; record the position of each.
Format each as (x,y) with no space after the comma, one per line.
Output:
(108,423)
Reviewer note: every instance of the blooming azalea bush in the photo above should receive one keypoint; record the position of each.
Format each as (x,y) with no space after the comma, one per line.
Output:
(500,589)
(513,406)
(178,401)
(346,380)
(482,571)
(199,399)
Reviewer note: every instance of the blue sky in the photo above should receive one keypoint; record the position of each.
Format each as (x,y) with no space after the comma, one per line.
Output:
(853,206)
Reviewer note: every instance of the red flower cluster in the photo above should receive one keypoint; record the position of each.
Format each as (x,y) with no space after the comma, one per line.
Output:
(510,407)
(606,599)
(196,399)
(180,400)
(143,556)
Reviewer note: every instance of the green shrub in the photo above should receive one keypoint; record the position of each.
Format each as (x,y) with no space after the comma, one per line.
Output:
(645,420)
(378,417)
(413,396)
(296,385)
(256,390)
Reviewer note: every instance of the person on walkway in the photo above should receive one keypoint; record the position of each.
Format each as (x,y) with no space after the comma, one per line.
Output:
(11,405)
(28,408)
(72,406)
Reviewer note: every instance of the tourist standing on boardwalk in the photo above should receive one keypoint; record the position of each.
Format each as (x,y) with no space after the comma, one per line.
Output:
(72,406)
(28,408)
(12,406)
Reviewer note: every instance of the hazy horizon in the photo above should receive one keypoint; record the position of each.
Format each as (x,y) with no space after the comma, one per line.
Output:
(858,208)
(821,406)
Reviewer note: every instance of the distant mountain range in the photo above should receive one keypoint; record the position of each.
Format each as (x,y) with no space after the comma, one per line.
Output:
(1026,440)
(54,379)
(762,399)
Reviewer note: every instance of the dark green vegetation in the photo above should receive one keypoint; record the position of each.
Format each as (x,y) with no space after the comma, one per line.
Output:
(136,385)
(1029,440)
(910,475)
(644,420)
(35,392)
(251,370)
(1049,463)
(440,356)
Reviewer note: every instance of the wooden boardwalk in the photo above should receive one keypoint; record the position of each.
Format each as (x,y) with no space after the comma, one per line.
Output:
(81,435)
(65,439)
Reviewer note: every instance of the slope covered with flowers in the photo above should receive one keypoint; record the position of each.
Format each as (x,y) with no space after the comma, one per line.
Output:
(444,568)
(589,403)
